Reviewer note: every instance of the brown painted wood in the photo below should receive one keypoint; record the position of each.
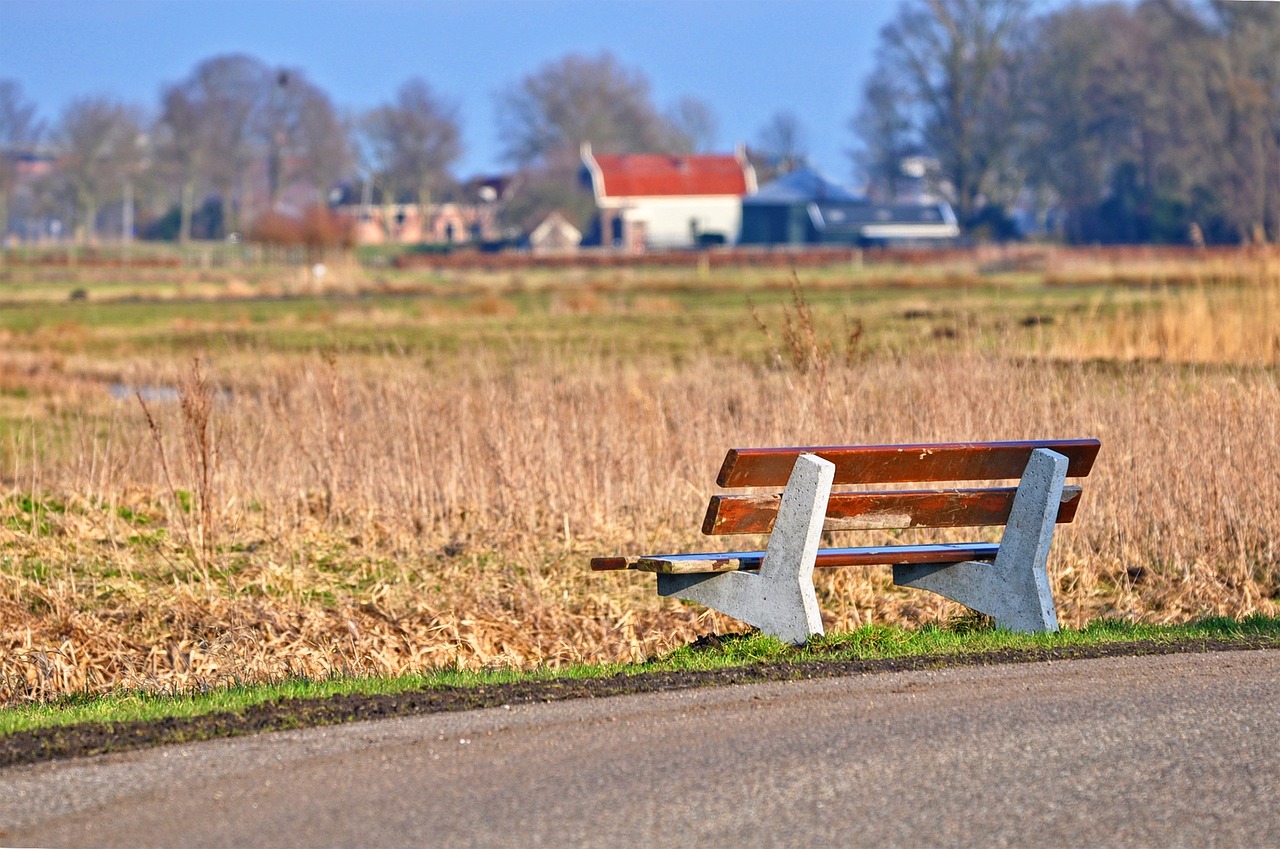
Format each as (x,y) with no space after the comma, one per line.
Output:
(608,564)
(871,464)
(864,511)
(879,555)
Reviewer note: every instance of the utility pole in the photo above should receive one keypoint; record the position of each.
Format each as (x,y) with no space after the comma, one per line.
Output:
(126,220)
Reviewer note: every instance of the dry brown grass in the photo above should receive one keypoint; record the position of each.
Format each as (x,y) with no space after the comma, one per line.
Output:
(1238,325)
(378,514)
(379,524)
(1154,266)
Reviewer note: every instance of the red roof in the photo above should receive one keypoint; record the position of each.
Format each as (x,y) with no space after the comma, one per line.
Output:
(657,174)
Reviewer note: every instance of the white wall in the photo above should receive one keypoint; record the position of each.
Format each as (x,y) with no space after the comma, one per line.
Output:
(667,218)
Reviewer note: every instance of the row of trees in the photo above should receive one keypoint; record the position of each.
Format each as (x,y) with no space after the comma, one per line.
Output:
(1155,121)
(224,146)
(1158,121)
(238,139)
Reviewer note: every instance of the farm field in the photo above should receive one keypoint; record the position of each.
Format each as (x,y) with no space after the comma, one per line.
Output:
(221,474)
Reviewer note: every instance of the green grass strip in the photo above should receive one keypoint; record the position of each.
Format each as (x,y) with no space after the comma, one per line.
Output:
(872,642)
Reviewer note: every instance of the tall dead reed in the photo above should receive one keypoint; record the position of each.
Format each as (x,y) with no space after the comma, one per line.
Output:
(196,508)
(451,521)
(1198,307)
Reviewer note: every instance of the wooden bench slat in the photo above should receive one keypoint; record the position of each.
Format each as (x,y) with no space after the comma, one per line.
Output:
(946,461)
(875,555)
(865,511)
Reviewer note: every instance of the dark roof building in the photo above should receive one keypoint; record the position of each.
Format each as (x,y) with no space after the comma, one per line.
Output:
(805,208)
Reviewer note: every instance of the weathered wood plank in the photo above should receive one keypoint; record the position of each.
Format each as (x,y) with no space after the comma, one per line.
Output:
(879,555)
(678,564)
(862,511)
(871,464)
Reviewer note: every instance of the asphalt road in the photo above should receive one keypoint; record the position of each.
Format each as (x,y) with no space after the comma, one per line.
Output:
(1176,750)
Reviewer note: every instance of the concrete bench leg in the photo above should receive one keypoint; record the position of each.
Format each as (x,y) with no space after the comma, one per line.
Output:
(779,599)
(1015,589)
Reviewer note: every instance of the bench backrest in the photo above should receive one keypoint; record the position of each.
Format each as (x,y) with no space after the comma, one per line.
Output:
(876,464)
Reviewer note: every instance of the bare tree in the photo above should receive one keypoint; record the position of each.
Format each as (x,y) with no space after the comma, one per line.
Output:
(885,131)
(20,131)
(409,145)
(1157,121)
(956,60)
(185,149)
(207,131)
(579,99)
(101,147)
(19,127)
(300,135)
(547,116)
(552,185)
(780,146)
(693,125)
(1245,99)
(1078,125)
(234,119)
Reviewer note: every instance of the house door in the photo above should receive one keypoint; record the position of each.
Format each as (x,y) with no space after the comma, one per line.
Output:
(639,236)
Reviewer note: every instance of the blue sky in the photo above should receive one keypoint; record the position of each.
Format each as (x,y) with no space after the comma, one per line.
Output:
(747,58)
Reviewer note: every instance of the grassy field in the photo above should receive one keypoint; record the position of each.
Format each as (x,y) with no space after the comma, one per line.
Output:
(223,475)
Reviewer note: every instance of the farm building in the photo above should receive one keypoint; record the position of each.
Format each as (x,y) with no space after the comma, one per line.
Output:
(554,235)
(405,223)
(804,208)
(654,200)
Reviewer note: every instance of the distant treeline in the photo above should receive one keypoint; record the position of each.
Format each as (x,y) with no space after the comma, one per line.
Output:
(1112,122)
(1152,122)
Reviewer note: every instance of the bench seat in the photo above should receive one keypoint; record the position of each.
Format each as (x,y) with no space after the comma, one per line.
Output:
(871,555)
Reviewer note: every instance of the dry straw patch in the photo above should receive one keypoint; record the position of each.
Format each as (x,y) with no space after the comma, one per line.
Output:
(1223,314)
(282,515)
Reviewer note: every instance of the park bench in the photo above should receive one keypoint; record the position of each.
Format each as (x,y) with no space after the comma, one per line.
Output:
(773,589)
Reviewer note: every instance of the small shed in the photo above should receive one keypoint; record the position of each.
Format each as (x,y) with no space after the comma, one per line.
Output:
(555,235)
(805,208)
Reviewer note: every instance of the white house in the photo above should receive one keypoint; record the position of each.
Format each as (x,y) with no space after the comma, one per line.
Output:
(656,200)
